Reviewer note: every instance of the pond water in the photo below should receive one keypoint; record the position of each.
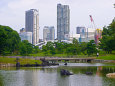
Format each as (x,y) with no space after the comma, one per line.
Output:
(50,75)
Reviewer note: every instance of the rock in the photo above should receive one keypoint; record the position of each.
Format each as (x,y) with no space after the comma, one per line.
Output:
(65,72)
(88,73)
(110,75)
(17,64)
(65,64)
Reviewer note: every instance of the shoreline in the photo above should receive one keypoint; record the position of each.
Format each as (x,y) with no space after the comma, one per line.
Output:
(49,64)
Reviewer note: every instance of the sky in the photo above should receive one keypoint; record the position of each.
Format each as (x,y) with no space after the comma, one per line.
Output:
(12,13)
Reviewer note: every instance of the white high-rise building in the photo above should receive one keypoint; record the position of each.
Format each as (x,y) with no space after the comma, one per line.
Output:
(32,24)
(63,21)
(48,33)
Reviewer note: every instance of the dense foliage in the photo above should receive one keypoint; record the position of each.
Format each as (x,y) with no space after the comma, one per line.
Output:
(74,48)
(91,47)
(108,38)
(10,43)
(9,40)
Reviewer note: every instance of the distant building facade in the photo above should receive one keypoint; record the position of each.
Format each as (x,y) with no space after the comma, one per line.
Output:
(26,36)
(76,36)
(32,24)
(63,21)
(80,30)
(88,35)
(48,33)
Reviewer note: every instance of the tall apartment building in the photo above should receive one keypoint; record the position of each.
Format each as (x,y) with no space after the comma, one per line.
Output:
(48,33)
(63,21)
(32,24)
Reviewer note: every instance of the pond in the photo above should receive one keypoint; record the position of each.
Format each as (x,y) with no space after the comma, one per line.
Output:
(50,75)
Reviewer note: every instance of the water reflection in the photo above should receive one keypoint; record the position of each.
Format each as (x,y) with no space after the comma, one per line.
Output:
(50,76)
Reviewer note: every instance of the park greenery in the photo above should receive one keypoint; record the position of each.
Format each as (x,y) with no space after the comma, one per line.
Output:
(22,61)
(107,43)
(11,44)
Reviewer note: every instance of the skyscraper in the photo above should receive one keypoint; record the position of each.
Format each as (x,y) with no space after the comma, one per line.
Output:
(32,24)
(63,21)
(48,33)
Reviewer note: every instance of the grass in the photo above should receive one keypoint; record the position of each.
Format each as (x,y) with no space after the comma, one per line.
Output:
(37,54)
(21,60)
(61,55)
(107,57)
(42,54)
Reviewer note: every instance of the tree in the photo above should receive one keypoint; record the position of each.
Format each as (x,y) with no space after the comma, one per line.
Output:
(26,48)
(36,49)
(91,47)
(108,38)
(23,49)
(50,48)
(83,47)
(3,37)
(59,46)
(9,40)
(44,49)
(76,45)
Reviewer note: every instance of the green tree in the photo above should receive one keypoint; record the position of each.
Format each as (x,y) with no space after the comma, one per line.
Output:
(91,47)
(83,47)
(50,47)
(26,48)
(3,37)
(59,46)
(9,40)
(44,49)
(107,43)
(36,49)
(23,49)
(76,46)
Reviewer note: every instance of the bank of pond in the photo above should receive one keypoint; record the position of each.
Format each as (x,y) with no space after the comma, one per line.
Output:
(36,62)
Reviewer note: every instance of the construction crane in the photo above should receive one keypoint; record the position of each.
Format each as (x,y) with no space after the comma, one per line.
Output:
(92,22)
(98,32)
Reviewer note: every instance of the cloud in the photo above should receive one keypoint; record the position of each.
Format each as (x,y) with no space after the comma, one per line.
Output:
(21,4)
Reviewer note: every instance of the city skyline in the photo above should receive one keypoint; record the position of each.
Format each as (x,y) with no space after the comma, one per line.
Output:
(13,12)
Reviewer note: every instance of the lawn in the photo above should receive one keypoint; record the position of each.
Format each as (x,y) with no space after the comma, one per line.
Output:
(21,60)
(107,57)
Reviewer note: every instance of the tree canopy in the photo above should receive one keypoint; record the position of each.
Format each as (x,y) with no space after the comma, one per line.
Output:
(9,40)
(107,43)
